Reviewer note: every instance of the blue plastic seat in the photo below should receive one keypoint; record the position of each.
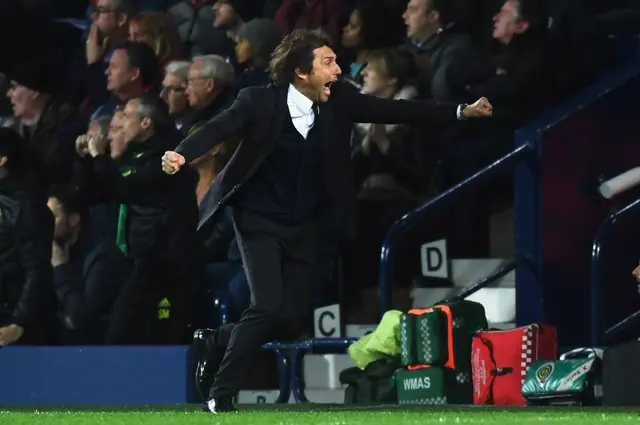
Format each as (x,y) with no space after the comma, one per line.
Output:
(291,361)
(290,357)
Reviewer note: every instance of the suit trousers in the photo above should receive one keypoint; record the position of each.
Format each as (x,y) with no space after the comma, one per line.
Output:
(280,264)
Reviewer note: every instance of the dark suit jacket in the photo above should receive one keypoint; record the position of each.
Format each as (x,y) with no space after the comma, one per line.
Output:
(257,116)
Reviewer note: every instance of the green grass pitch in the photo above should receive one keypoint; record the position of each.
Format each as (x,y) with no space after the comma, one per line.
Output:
(318,415)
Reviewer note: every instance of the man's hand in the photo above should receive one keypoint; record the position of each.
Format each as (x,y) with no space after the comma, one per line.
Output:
(10,334)
(68,323)
(378,134)
(171,162)
(480,109)
(59,254)
(82,145)
(636,275)
(97,145)
(95,48)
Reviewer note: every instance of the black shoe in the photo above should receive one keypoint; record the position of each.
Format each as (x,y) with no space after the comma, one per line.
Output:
(220,405)
(207,360)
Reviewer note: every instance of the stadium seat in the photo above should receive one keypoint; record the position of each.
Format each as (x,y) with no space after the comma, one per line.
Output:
(291,368)
(290,356)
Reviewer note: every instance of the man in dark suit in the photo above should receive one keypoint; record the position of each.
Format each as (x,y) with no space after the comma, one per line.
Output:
(291,169)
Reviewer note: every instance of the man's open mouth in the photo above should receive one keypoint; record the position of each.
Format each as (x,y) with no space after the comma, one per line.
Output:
(327,88)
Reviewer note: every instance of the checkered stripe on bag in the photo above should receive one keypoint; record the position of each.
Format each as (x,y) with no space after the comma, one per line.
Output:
(433,401)
(458,322)
(527,351)
(425,341)
(463,377)
(404,351)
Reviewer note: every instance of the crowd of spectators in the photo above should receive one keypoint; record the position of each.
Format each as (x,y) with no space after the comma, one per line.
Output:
(98,245)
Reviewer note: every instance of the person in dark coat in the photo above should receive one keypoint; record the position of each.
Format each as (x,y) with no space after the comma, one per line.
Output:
(27,300)
(156,227)
(292,168)
(257,39)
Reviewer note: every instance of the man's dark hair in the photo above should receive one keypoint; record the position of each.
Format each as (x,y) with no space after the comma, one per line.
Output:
(141,56)
(295,51)
(128,7)
(534,12)
(151,106)
(69,200)
(445,8)
(12,147)
(377,14)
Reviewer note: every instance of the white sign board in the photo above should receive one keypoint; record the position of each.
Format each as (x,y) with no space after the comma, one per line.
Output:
(326,321)
(434,260)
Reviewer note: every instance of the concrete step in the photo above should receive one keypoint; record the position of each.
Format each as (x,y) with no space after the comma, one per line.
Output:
(498,299)
(323,370)
(499,303)
(466,272)
(257,396)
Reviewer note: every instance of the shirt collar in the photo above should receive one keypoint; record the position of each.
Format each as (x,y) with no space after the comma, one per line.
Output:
(298,101)
(438,32)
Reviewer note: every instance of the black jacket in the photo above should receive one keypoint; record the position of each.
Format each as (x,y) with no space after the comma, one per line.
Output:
(436,57)
(162,209)
(26,291)
(257,116)
(219,239)
(196,117)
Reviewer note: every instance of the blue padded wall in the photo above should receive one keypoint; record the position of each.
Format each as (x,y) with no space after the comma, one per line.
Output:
(96,376)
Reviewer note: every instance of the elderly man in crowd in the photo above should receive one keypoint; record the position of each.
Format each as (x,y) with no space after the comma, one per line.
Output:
(209,89)
(174,90)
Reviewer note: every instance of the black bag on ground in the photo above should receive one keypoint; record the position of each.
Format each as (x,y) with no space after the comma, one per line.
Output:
(373,385)
(621,375)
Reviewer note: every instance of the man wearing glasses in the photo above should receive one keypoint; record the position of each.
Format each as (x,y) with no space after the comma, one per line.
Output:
(174,90)
(209,89)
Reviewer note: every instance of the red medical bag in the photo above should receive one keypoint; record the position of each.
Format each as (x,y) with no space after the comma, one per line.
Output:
(500,359)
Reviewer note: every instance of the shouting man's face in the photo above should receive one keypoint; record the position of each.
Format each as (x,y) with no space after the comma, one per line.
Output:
(324,73)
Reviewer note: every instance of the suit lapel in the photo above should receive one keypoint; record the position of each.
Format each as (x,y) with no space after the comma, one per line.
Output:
(323,122)
(280,113)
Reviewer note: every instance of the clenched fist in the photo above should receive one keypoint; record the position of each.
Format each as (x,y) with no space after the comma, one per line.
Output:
(480,109)
(97,145)
(171,162)
(636,275)
(82,145)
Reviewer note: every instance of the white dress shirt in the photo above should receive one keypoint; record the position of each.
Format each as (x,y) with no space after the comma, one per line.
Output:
(301,110)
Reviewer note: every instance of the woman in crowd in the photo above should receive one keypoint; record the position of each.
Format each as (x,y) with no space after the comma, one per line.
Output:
(256,40)
(362,34)
(388,157)
(390,170)
(156,30)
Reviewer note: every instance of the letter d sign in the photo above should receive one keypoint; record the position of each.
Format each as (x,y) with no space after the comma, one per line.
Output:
(433,256)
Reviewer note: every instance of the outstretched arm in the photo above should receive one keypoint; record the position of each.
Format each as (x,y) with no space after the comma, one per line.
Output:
(231,122)
(364,108)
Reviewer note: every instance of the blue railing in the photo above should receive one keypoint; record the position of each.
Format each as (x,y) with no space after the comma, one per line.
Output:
(599,334)
(418,215)
(495,275)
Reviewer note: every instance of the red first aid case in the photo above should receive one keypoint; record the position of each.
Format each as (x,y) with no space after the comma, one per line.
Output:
(500,359)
